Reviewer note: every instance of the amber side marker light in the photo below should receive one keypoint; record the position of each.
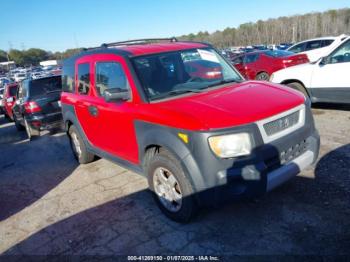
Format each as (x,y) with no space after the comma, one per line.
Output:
(183,137)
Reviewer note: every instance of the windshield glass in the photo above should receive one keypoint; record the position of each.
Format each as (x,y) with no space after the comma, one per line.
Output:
(169,74)
(45,85)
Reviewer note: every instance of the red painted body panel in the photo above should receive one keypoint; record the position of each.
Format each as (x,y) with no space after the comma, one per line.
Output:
(8,105)
(269,64)
(112,130)
(226,107)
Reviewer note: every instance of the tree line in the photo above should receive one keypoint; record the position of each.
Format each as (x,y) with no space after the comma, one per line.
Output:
(33,56)
(280,30)
(272,31)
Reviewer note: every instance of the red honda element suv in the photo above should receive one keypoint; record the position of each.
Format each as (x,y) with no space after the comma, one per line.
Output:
(198,137)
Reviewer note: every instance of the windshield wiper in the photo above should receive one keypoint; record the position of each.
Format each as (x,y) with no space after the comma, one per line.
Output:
(177,92)
(225,81)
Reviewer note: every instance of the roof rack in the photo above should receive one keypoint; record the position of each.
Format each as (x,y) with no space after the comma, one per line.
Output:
(140,41)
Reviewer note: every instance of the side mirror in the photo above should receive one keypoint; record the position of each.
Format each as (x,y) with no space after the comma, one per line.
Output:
(9,100)
(116,94)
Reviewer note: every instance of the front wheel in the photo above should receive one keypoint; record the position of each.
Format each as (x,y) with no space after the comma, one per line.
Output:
(170,187)
(299,87)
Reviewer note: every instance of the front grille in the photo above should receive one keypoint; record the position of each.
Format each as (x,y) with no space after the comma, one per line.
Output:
(281,124)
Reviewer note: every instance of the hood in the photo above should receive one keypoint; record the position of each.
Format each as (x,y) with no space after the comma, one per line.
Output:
(234,105)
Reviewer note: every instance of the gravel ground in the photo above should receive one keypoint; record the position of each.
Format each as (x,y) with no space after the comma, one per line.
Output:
(51,205)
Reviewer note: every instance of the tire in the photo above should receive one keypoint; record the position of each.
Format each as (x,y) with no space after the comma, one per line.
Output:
(78,147)
(299,87)
(263,76)
(18,125)
(170,187)
(31,133)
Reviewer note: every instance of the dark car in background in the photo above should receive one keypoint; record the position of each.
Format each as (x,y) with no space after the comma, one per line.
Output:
(38,106)
(260,65)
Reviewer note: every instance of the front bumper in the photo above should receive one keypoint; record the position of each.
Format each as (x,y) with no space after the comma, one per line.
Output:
(269,165)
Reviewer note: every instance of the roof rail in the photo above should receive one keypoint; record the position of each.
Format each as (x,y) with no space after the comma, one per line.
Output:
(140,41)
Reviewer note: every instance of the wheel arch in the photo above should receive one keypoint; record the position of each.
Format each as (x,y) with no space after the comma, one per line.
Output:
(289,81)
(152,138)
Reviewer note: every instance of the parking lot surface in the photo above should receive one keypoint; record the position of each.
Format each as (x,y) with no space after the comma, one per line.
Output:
(51,205)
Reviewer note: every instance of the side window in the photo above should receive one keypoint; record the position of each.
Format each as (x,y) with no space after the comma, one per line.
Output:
(313,45)
(110,75)
(250,58)
(327,42)
(341,55)
(237,60)
(298,48)
(83,78)
(68,82)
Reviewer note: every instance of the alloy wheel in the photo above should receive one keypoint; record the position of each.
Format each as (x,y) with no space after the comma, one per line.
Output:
(167,189)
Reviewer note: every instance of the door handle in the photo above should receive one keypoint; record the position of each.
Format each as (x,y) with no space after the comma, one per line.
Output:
(93,111)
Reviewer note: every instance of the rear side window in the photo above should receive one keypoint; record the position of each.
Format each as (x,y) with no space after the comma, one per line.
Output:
(68,82)
(45,86)
(110,75)
(250,58)
(83,78)
(298,48)
(327,42)
(313,45)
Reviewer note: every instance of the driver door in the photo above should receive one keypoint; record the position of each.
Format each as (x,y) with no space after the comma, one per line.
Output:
(330,80)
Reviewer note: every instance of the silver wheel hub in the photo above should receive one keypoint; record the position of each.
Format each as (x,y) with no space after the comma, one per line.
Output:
(76,144)
(167,189)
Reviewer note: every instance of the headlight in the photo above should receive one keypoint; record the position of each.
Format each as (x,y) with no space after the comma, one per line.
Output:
(228,146)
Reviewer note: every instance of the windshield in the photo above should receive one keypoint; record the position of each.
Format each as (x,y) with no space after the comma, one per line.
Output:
(45,85)
(169,74)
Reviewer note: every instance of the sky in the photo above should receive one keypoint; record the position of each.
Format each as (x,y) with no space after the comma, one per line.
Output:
(56,25)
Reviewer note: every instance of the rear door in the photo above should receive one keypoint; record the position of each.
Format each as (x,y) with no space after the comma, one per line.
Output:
(330,80)
(84,105)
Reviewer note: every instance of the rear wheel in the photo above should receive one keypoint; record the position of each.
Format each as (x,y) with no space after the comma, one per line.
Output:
(263,76)
(299,87)
(79,149)
(31,133)
(170,187)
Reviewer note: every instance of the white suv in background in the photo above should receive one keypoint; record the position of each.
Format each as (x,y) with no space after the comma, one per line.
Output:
(326,80)
(317,47)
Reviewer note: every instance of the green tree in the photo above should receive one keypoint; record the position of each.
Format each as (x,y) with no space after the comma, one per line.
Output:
(3,56)
(17,56)
(33,56)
